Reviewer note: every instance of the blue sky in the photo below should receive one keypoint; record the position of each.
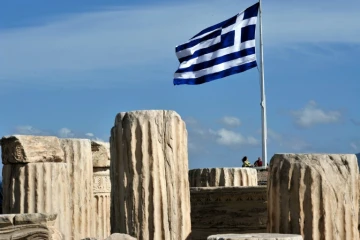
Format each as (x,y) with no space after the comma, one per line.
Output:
(68,67)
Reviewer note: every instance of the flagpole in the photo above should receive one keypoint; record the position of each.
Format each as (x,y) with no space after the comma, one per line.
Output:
(262,88)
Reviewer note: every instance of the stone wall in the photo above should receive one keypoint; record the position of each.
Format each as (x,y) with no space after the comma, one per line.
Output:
(226,177)
(262,176)
(216,210)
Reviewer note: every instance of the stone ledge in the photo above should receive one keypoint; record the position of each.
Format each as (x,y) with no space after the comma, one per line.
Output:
(30,149)
(26,218)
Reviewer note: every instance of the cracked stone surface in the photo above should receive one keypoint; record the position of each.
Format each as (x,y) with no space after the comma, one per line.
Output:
(315,195)
(149,175)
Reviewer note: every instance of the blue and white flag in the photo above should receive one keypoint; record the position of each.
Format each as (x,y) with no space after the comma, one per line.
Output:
(219,51)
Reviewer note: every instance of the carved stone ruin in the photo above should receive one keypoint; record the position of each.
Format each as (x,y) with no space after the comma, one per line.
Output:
(221,210)
(256,236)
(315,195)
(43,174)
(35,178)
(29,226)
(102,188)
(149,176)
(226,177)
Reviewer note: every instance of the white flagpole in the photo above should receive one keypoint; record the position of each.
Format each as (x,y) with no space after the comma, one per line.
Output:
(263,99)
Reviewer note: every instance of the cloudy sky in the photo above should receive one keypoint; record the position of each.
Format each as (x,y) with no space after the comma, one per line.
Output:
(68,67)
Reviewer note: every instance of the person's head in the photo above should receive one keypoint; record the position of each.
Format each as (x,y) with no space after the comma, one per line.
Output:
(259,159)
(244,159)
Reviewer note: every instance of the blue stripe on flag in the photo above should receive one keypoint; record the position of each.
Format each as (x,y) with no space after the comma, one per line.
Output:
(227,40)
(248,33)
(214,76)
(215,61)
(199,40)
(251,11)
(223,24)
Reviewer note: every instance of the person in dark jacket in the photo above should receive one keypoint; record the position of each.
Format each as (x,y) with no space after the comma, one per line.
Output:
(258,162)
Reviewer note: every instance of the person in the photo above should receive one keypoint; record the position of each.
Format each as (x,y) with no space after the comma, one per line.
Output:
(258,162)
(246,163)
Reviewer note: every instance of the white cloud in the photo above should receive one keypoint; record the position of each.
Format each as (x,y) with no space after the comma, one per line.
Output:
(29,130)
(190,121)
(231,138)
(66,133)
(62,133)
(231,121)
(311,115)
(287,142)
(272,135)
(117,38)
(354,146)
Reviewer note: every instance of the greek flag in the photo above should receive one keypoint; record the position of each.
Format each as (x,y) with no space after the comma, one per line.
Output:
(219,51)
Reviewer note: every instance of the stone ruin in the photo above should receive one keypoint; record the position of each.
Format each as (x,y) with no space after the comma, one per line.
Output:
(49,175)
(139,185)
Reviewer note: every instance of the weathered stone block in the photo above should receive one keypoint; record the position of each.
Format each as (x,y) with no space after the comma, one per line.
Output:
(315,195)
(226,177)
(221,210)
(149,176)
(31,149)
(100,154)
(256,236)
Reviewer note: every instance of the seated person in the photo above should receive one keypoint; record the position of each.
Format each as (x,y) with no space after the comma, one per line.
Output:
(246,163)
(258,162)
